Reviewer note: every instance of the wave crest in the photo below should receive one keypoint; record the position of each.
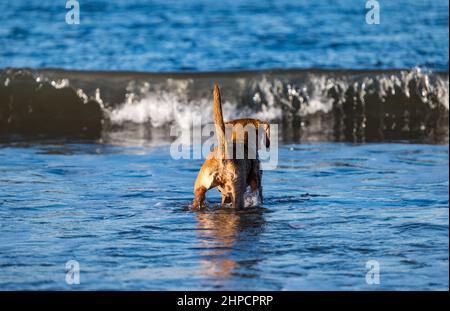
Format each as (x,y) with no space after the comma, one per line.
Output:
(308,104)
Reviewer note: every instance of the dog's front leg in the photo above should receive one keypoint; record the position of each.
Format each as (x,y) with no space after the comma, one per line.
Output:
(255,181)
(255,186)
(225,195)
(226,199)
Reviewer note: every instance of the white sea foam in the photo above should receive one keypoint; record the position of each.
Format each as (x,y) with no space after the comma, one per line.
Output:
(59,84)
(168,102)
(159,107)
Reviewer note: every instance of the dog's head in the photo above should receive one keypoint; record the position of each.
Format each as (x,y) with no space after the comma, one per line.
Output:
(242,127)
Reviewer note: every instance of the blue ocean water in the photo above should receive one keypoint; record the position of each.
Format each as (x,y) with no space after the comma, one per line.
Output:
(122,213)
(164,35)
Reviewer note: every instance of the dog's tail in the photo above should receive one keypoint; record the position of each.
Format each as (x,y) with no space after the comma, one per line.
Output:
(218,122)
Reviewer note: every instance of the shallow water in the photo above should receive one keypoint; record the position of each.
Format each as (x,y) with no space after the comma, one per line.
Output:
(122,213)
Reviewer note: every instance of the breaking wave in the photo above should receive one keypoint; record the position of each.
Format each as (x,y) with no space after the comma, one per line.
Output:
(309,105)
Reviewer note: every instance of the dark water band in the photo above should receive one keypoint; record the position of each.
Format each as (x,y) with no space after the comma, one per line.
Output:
(336,105)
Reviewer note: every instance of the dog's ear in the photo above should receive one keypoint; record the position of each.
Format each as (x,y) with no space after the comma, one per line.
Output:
(266,127)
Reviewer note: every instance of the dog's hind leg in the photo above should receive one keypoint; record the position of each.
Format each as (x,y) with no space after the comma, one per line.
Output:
(255,180)
(237,195)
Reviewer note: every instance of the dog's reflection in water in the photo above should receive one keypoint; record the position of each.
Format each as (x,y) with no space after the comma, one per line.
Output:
(225,235)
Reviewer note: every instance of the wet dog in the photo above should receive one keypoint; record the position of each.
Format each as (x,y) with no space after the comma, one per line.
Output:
(230,174)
